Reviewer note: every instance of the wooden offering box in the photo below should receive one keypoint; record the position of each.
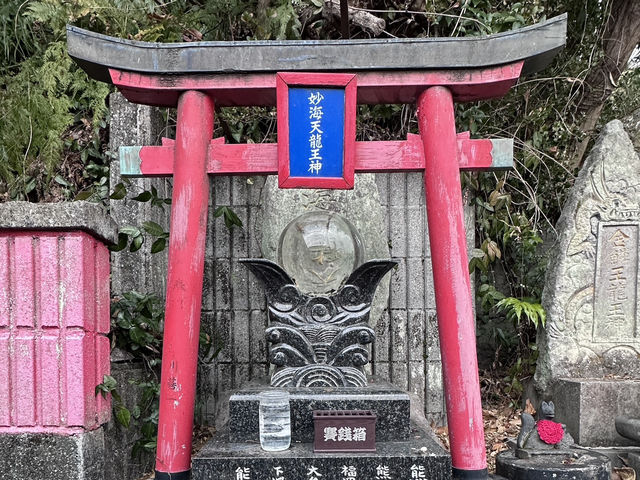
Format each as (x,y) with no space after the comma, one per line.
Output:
(344,431)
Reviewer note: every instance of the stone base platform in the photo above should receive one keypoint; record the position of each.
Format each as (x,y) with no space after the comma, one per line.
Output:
(390,404)
(419,457)
(589,408)
(580,465)
(38,456)
(619,456)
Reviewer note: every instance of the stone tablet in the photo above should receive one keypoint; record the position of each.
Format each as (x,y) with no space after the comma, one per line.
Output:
(591,291)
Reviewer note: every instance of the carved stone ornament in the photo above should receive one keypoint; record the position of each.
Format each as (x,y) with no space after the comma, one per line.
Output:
(319,340)
(543,435)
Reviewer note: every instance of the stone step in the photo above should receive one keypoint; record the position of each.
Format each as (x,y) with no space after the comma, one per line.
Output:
(390,404)
(421,456)
(629,428)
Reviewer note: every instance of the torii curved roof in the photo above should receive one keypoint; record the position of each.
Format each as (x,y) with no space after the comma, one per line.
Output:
(535,45)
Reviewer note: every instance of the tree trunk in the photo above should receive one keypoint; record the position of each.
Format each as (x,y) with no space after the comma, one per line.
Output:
(262,30)
(621,36)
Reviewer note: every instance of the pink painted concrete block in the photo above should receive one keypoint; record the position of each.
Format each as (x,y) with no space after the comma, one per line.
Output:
(49,380)
(54,317)
(4,284)
(5,376)
(103,366)
(73,277)
(47,281)
(24,281)
(24,382)
(103,300)
(74,372)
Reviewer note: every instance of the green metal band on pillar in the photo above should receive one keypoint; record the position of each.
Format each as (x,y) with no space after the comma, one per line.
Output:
(502,154)
(130,161)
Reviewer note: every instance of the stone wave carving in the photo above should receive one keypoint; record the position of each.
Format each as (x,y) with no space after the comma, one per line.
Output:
(319,340)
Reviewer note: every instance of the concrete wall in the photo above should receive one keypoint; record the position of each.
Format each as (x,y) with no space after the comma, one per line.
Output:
(141,271)
(133,124)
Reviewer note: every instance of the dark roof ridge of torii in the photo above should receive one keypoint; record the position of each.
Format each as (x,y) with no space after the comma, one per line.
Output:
(536,45)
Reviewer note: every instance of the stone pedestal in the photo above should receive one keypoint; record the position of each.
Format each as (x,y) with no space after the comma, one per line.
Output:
(589,408)
(54,318)
(403,449)
(418,456)
(38,456)
(390,404)
(577,465)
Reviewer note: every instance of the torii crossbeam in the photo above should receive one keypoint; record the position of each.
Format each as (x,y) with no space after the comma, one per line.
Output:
(432,72)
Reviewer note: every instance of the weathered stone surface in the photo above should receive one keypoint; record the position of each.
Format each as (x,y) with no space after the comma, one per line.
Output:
(591,292)
(421,454)
(629,428)
(390,404)
(33,456)
(119,463)
(581,465)
(535,45)
(360,206)
(634,462)
(142,271)
(632,126)
(85,216)
(589,408)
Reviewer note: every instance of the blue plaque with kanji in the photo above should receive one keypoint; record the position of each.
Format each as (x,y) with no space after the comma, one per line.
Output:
(316,132)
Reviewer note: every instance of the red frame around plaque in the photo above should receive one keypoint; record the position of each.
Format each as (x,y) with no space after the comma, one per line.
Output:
(286,80)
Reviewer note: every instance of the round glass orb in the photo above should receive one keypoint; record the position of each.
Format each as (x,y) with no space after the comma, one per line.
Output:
(320,250)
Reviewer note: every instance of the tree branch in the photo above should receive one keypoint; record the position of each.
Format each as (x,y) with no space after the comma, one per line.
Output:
(621,36)
(364,20)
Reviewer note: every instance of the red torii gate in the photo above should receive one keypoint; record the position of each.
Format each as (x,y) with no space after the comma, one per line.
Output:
(434,73)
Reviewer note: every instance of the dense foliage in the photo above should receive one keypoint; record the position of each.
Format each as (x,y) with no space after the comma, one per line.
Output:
(54,118)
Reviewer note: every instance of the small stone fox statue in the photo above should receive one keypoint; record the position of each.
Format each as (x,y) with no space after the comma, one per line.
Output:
(544,434)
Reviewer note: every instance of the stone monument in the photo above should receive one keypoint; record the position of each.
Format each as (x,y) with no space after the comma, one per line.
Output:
(319,340)
(319,331)
(590,349)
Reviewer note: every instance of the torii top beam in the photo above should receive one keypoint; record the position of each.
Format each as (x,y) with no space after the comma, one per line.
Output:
(243,73)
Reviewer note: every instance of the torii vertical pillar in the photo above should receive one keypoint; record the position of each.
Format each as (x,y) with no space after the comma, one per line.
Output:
(451,283)
(189,207)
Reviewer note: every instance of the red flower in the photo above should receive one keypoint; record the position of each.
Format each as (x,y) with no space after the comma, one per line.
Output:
(550,432)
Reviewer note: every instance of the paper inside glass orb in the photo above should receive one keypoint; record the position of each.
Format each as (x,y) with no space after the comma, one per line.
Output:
(320,250)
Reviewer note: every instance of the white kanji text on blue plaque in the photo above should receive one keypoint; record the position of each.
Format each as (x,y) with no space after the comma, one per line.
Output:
(316,132)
